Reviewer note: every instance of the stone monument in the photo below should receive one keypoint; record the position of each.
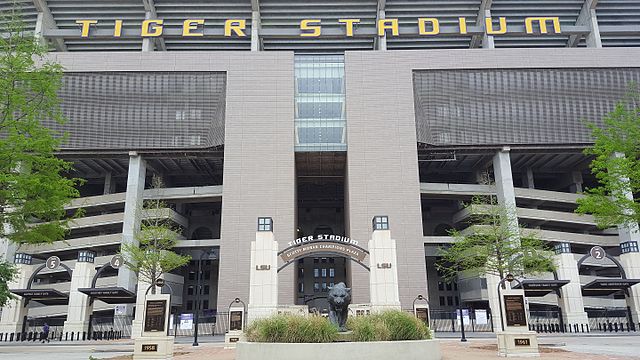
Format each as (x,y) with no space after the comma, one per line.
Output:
(154,342)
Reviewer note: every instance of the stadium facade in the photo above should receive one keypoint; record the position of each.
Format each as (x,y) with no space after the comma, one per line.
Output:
(318,118)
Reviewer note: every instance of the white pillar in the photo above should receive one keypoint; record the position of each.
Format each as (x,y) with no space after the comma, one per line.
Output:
(570,300)
(506,195)
(381,40)
(630,262)
(255,31)
(141,295)
(79,309)
(263,278)
(383,279)
(109,184)
(132,217)
(14,312)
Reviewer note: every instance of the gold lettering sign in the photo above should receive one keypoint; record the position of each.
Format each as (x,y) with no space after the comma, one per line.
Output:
(313,27)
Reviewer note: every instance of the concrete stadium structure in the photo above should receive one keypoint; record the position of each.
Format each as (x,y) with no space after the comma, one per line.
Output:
(324,133)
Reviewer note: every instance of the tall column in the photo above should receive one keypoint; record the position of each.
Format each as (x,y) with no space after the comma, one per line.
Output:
(141,295)
(263,279)
(14,312)
(383,262)
(132,216)
(79,307)
(506,195)
(629,235)
(259,171)
(570,300)
(109,184)
(630,261)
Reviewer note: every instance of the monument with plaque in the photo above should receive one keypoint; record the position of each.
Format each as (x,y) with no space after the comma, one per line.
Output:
(514,337)
(154,342)
(236,325)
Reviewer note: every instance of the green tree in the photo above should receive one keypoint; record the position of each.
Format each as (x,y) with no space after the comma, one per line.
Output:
(616,165)
(487,245)
(33,185)
(152,256)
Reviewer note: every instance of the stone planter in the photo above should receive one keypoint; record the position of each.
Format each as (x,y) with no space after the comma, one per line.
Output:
(379,350)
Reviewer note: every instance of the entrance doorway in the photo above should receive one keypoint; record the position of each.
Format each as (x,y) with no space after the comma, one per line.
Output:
(320,204)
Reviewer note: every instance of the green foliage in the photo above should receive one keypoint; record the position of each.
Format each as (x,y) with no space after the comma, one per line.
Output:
(292,329)
(384,326)
(388,326)
(8,272)
(152,256)
(490,245)
(33,188)
(616,165)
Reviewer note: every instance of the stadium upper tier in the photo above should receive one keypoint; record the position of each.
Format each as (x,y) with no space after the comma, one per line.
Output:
(278,24)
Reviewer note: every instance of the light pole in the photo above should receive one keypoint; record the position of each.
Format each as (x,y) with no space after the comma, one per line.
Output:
(208,252)
(463,338)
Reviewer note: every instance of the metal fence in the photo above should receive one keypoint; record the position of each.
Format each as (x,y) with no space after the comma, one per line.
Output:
(208,324)
(448,321)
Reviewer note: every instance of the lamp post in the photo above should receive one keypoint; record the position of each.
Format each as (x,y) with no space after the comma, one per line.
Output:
(208,252)
(463,337)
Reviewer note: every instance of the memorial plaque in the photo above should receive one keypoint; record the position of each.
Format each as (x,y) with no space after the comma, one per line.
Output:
(155,314)
(514,310)
(149,347)
(423,314)
(522,342)
(235,321)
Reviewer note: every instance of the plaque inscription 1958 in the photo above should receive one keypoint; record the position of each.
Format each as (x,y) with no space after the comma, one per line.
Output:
(155,315)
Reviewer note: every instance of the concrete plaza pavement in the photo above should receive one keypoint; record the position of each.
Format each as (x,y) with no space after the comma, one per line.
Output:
(583,347)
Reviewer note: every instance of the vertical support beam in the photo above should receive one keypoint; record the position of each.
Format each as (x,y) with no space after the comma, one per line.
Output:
(576,182)
(132,213)
(109,184)
(149,44)
(570,300)
(79,310)
(588,17)
(506,195)
(14,312)
(380,42)
(484,40)
(529,179)
(256,41)
(44,21)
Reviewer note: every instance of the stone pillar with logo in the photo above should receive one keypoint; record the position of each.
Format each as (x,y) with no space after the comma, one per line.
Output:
(154,343)
(263,278)
(383,263)
(79,308)
(14,313)
(514,337)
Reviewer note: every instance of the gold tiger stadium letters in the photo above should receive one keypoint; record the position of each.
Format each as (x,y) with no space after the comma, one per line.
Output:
(313,27)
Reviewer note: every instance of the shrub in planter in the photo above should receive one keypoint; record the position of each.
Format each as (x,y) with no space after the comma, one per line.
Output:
(292,329)
(388,326)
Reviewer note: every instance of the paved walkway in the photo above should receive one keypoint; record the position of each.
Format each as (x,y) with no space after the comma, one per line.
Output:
(554,347)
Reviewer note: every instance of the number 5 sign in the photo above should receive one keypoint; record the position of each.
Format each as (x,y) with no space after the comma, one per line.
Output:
(597,253)
(52,262)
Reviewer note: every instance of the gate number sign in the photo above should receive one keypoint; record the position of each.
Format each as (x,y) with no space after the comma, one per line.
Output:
(597,253)
(116,261)
(53,262)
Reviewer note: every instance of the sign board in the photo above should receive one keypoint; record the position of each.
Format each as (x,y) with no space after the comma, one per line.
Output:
(186,321)
(597,252)
(481,317)
(514,310)
(116,261)
(522,342)
(149,347)
(423,314)
(465,316)
(235,320)
(319,247)
(120,310)
(53,262)
(155,314)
